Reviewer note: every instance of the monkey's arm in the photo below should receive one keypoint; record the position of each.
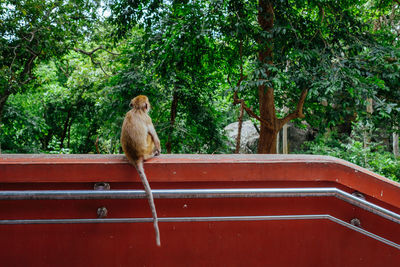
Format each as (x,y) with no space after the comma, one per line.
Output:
(154,135)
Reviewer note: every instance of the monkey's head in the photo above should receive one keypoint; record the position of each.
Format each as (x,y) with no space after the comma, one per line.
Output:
(141,102)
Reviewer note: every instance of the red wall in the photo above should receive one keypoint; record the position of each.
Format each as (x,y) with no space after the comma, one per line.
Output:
(261,243)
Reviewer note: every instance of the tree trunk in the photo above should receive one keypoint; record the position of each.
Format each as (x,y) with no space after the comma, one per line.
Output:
(285,148)
(239,133)
(3,100)
(270,124)
(174,106)
(268,133)
(65,129)
(278,142)
(69,134)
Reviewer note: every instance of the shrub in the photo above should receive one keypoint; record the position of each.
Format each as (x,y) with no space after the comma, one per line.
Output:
(372,157)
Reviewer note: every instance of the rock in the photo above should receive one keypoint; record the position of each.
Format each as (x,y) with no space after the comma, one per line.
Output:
(248,140)
(297,136)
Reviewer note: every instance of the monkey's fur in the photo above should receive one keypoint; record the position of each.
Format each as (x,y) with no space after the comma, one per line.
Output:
(140,142)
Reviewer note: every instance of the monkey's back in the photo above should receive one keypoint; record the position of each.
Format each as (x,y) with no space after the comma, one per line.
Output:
(135,140)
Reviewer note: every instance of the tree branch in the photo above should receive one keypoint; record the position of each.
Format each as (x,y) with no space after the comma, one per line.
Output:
(322,15)
(91,55)
(239,133)
(94,51)
(64,68)
(15,56)
(32,52)
(298,113)
(243,106)
(236,101)
(32,33)
(97,145)
(4,96)
(28,68)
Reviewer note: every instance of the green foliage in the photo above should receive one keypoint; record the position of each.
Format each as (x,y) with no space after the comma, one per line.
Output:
(31,31)
(177,61)
(189,57)
(327,47)
(57,114)
(24,124)
(373,156)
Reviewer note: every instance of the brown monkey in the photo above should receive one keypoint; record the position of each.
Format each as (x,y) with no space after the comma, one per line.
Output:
(140,142)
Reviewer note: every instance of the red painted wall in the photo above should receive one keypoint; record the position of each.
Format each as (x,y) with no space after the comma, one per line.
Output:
(262,243)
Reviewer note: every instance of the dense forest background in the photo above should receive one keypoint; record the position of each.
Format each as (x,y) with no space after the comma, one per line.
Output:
(68,70)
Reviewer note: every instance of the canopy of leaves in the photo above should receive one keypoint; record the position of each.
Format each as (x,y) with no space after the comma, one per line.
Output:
(189,57)
(33,30)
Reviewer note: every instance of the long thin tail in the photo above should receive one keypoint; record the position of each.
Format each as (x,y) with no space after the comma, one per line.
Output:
(146,185)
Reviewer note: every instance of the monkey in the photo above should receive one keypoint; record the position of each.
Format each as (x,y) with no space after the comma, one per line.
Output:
(140,142)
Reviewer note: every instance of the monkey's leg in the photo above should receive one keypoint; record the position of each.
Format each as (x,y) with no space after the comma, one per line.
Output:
(151,150)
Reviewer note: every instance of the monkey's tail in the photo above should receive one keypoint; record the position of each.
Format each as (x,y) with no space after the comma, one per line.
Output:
(146,185)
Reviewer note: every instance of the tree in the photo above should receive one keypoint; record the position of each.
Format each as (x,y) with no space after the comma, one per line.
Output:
(61,112)
(323,61)
(302,48)
(320,46)
(180,51)
(32,31)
